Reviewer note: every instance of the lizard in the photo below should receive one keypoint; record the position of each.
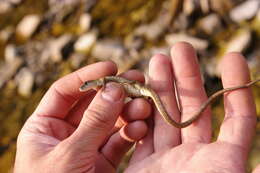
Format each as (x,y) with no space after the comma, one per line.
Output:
(137,89)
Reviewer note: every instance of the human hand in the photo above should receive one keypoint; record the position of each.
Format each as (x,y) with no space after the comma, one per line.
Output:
(168,149)
(71,131)
(257,169)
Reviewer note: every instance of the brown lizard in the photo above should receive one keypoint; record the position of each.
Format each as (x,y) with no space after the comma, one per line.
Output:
(137,89)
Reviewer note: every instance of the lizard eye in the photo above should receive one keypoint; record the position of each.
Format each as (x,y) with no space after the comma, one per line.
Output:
(86,86)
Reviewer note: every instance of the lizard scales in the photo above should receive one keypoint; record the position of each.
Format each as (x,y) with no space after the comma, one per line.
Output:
(137,89)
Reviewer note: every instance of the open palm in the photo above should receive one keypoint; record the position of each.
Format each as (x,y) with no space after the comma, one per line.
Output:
(168,149)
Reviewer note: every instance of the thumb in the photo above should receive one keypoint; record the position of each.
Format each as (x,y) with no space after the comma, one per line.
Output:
(99,118)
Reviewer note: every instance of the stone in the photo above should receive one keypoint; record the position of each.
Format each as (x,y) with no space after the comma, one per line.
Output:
(25,81)
(210,24)
(160,50)
(197,43)
(36,54)
(55,47)
(181,23)
(253,61)
(204,5)
(8,70)
(10,53)
(155,29)
(127,61)
(5,34)
(5,7)
(28,26)
(60,4)
(210,65)
(76,60)
(15,2)
(84,22)
(245,11)
(151,31)
(190,6)
(133,41)
(108,49)
(240,41)
(85,42)
(222,7)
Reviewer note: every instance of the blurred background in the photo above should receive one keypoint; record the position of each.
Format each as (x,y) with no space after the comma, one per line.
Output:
(42,40)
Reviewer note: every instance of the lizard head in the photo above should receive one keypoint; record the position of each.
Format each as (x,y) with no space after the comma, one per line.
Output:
(92,84)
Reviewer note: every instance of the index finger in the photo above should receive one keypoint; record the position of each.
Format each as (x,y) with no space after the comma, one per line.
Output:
(65,92)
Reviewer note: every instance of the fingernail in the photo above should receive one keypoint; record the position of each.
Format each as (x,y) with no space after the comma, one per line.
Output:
(112,92)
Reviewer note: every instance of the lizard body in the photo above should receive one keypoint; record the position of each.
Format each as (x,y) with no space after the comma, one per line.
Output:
(136,89)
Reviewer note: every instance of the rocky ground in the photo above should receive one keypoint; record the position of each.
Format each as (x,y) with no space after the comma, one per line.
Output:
(44,40)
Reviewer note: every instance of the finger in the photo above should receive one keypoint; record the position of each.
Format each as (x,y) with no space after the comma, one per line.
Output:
(76,113)
(240,119)
(133,75)
(120,142)
(99,118)
(144,147)
(136,109)
(161,80)
(191,92)
(63,93)
(134,112)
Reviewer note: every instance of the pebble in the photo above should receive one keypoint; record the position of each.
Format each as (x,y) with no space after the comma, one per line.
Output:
(55,47)
(240,41)
(253,61)
(181,22)
(108,49)
(210,24)
(10,53)
(210,65)
(160,50)
(61,2)
(190,6)
(76,59)
(85,42)
(15,2)
(133,41)
(222,7)
(197,43)
(5,34)
(28,26)
(25,81)
(204,5)
(8,70)
(156,28)
(84,22)
(5,7)
(245,11)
